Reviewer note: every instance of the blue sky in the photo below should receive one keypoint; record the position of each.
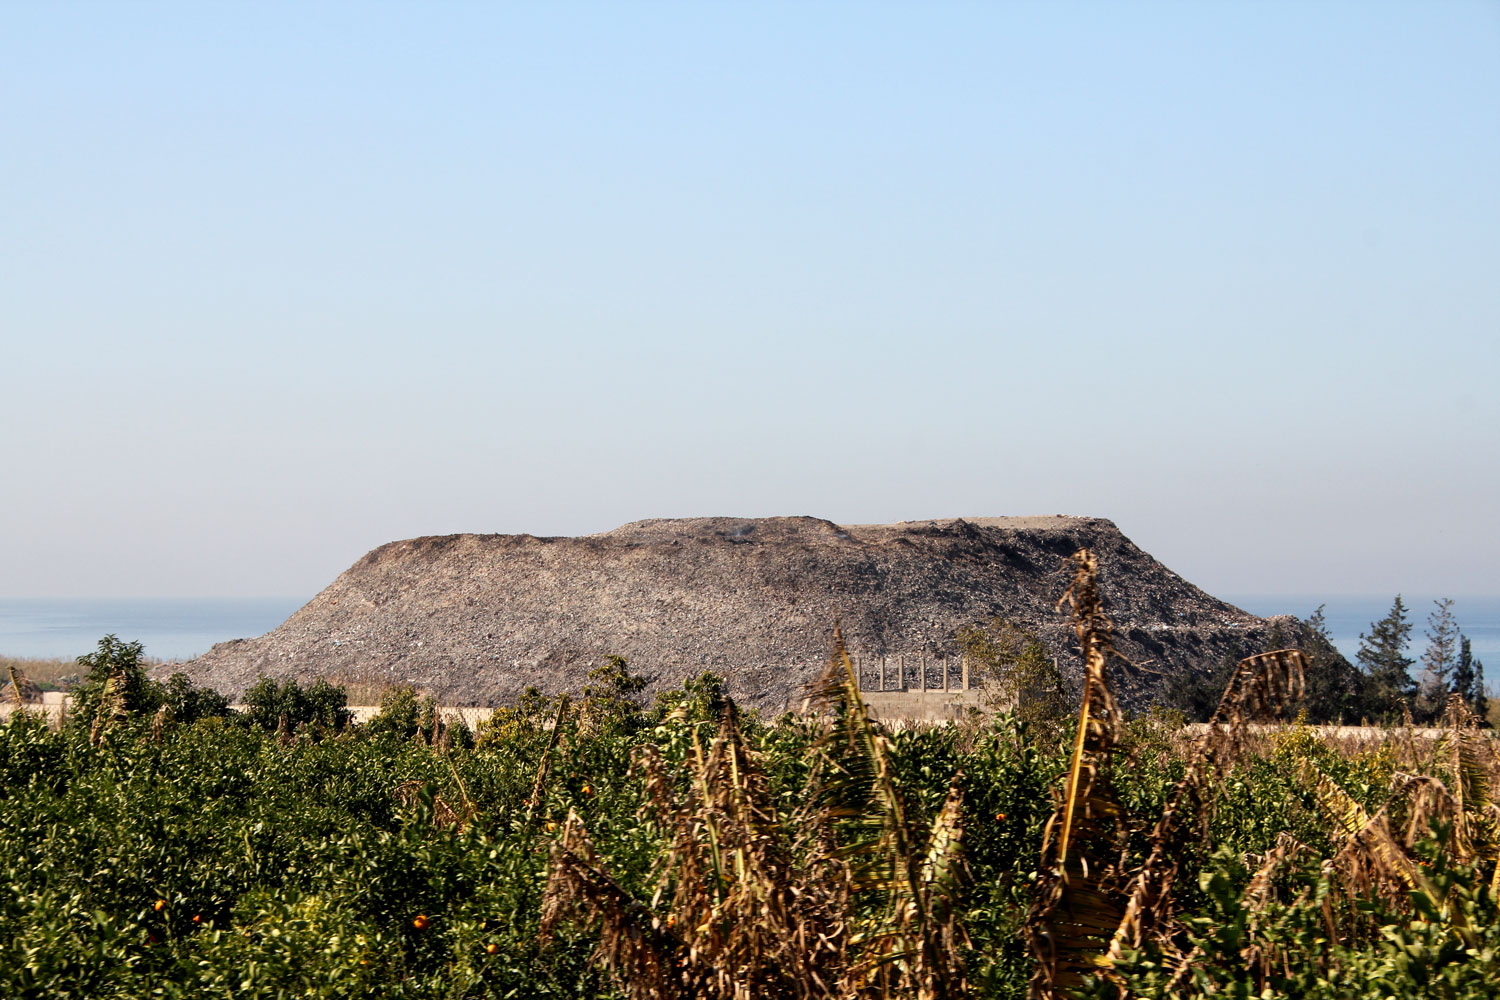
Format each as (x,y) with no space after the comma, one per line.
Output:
(282,282)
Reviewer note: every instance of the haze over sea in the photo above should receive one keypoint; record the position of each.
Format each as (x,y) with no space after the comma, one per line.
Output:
(181,628)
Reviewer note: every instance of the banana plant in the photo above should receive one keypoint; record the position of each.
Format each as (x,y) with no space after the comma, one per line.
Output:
(836,899)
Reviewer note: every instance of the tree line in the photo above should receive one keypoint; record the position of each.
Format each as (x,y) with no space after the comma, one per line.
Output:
(1383,685)
(1447,667)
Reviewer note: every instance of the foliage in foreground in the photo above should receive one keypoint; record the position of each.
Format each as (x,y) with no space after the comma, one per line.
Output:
(1109,920)
(153,856)
(840,895)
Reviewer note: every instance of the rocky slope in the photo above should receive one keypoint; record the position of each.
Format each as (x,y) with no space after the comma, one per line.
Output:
(475,619)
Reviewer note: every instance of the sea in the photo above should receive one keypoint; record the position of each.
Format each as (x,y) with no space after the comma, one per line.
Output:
(181,628)
(168,628)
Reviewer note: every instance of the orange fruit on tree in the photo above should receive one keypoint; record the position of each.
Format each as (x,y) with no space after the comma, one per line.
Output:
(419,921)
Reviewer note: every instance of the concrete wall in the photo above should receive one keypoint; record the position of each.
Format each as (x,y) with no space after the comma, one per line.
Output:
(51,705)
(919,689)
(923,706)
(1381,733)
(53,702)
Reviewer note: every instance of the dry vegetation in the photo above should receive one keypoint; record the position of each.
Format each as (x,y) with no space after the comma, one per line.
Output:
(752,902)
(46,674)
(1103,905)
(841,896)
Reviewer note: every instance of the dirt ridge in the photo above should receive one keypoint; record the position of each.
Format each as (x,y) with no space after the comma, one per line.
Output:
(475,619)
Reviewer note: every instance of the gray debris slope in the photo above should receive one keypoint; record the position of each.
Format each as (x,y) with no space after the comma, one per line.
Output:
(475,619)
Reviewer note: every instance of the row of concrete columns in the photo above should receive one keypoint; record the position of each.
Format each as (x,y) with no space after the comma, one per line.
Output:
(900,674)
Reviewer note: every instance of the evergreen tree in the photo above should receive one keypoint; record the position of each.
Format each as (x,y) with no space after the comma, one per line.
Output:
(1468,679)
(188,702)
(1481,700)
(1334,691)
(1439,662)
(1020,673)
(1382,656)
(1196,695)
(611,698)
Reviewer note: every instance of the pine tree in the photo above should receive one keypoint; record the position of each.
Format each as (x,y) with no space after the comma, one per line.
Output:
(1335,691)
(1481,700)
(1468,679)
(1382,656)
(1439,662)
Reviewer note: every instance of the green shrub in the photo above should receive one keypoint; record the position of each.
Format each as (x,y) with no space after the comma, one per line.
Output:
(115,668)
(272,706)
(188,703)
(401,713)
(306,862)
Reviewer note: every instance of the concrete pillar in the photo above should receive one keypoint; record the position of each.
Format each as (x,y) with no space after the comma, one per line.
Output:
(922,666)
(882,673)
(963,668)
(944,662)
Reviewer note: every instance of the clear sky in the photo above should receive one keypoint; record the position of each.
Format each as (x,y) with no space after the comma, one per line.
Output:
(280,282)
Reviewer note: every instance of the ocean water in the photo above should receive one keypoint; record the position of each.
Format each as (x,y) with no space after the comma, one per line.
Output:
(1349,615)
(170,629)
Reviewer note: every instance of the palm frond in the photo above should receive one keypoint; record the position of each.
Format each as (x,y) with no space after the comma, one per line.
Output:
(1260,686)
(21,691)
(544,766)
(1358,827)
(633,943)
(910,945)
(1077,906)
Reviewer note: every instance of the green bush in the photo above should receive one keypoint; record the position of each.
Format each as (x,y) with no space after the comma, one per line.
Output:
(401,713)
(116,672)
(299,868)
(271,705)
(116,667)
(188,703)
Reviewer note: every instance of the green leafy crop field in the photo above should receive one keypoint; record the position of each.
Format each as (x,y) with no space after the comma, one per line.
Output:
(221,860)
(158,846)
